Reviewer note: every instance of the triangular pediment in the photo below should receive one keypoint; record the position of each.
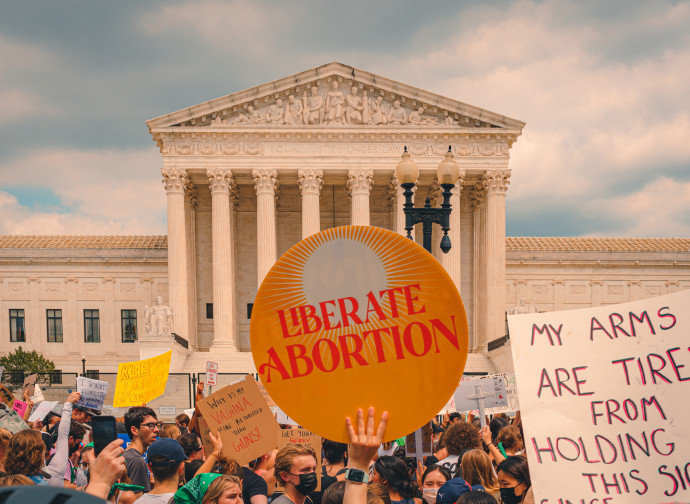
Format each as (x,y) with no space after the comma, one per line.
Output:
(335,96)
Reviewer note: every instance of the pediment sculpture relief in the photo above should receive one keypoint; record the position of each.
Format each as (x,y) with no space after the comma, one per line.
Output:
(334,106)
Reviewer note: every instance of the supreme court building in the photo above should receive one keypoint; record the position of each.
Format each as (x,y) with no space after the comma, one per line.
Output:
(249,174)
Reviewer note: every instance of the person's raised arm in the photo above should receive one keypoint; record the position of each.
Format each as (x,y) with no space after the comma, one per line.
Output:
(217,444)
(105,469)
(58,465)
(363,446)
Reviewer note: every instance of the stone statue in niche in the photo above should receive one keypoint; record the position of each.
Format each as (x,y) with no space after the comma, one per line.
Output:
(378,116)
(335,105)
(354,108)
(158,319)
(313,107)
(276,113)
(397,114)
(417,119)
(293,111)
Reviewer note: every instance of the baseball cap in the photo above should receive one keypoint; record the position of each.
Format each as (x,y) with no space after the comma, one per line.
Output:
(453,489)
(169,449)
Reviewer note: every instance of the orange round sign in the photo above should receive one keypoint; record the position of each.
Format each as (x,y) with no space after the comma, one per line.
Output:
(358,316)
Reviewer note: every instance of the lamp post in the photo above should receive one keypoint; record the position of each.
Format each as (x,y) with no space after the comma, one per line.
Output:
(83,365)
(407,173)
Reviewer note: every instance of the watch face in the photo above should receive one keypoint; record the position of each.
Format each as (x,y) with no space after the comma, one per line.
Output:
(355,475)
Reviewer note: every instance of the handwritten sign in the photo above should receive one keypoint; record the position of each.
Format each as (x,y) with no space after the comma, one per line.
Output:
(245,422)
(142,381)
(30,384)
(349,314)
(13,422)
(419,443)
(38,395)
(493,390)
(305,438)
(20,407)
(204,430)
(270,402)
(212,373)
(92,392)
(604,401)
(6,396)
(42,410)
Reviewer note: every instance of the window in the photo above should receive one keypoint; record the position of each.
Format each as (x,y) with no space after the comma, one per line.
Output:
(94,374)
(209,310)
(54,319)
(56,377)
(17,331)
(92,332)
(129,326)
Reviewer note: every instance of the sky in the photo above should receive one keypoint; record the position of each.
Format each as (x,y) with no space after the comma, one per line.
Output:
(604,87)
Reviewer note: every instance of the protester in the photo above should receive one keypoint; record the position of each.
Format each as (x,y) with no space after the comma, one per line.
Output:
(191,467)
(142,427)
(82,414)
(26,451)
(15,480)
(260,464)
(224,490)
(509,440)
(392,473)
(496,424)
(74,477)
(5,437)
(476,498)
(165,459)
(433,478)
(478,470)
(458,438)
(378,490)
(515,482)
(169,431)
(182,421)
(105,469)
(451,491)
(364,444)
(295,471)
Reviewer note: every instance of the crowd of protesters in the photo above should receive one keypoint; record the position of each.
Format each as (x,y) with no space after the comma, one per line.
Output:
(168,463)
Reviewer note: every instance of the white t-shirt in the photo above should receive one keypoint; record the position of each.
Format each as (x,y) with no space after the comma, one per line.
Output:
(149,498)
(450,463)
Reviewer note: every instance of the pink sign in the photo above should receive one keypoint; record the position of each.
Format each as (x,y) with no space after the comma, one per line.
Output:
(20,407)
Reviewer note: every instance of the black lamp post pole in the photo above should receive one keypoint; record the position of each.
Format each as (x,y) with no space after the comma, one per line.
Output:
(428,216)
(83,367)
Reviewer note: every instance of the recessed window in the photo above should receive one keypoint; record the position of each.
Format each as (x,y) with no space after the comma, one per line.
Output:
(94,374)
(17,330)
(209,310)
(92,326)
(54,323)
(129,326)
(56,377)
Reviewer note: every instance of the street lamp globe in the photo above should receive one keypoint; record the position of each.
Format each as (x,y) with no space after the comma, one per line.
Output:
(407,171)
(448,171)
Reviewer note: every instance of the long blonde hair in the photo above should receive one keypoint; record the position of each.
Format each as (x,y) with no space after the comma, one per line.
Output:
(216,489)
(478,470)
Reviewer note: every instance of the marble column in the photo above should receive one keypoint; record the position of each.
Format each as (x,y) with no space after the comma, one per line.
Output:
(359,182)
(310,182)
(266,183)
(478,204)
(224,323)
(191,203)
(175,181)
(496,182)
(452,260)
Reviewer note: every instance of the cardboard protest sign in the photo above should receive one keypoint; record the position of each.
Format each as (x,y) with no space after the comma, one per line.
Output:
(419,443)
(270,402)
(245,422)
(604,401)
(42,410)
(212,373)
(30,384)
(303,437)
(139,382)
(6,397)
(203,434)
(349,315)
(92,392)
(20,407)
(13,422)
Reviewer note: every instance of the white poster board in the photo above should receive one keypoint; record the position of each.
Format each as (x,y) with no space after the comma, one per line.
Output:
(42,410)
(211,374)
(604,401)
(92,392)
(493,387)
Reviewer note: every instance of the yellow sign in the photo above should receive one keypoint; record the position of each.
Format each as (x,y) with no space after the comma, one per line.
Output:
(141,381)
(358,316)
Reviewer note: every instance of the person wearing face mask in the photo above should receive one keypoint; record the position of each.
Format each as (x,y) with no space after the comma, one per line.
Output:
(513,476)
(295,471)
(392,473)
(433,478)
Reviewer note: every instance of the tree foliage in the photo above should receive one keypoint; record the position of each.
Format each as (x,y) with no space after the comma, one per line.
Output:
(18,362)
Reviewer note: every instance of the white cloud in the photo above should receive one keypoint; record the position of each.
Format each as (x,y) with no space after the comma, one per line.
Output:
(105,192)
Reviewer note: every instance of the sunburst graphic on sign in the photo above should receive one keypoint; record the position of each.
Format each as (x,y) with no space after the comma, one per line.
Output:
(358,316)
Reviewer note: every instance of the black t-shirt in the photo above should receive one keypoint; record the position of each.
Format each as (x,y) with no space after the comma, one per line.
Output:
(252,485)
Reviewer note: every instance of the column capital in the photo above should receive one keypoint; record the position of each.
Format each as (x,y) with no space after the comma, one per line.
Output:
(478,195)
(496,181)
(265,181)
(174,179)
(191,194)
(310,181)
(359,181)
(220,180)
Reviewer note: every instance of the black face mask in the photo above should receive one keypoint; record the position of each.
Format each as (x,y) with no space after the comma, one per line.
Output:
(307,483)
(508,496)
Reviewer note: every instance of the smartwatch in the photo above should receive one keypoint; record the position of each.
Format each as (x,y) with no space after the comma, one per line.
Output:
(356,475)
